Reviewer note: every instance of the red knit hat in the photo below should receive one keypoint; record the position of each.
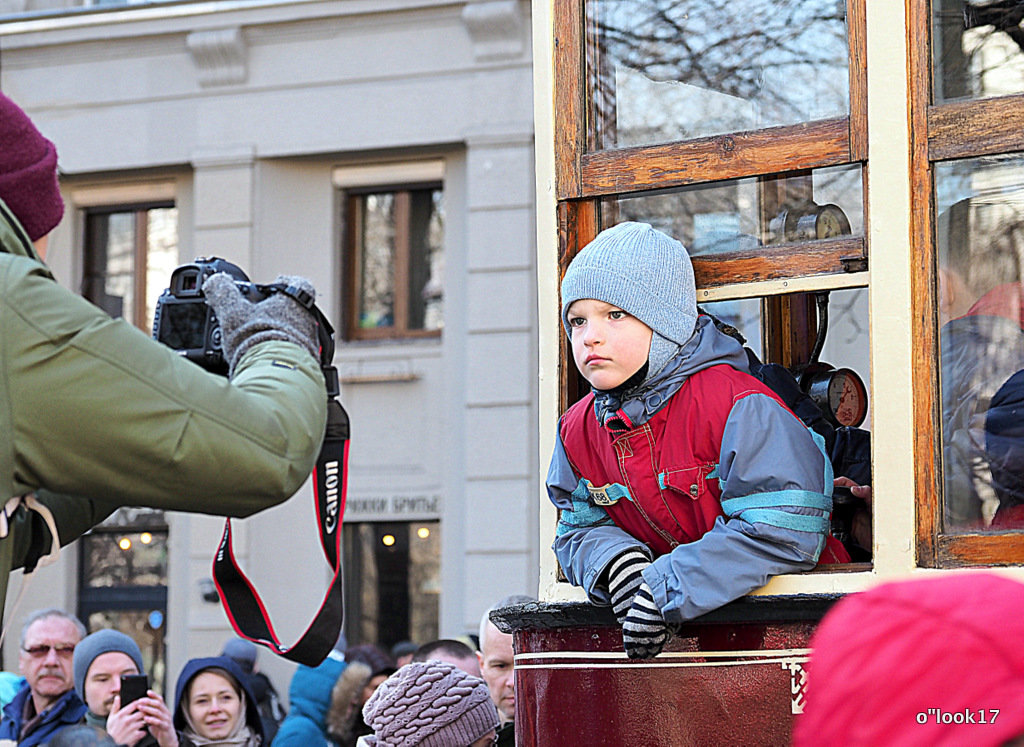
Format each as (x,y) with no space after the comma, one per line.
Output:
(934,661)
(28,172)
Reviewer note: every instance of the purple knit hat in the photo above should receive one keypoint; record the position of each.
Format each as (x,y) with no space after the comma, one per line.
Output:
(430,704)
(28,172)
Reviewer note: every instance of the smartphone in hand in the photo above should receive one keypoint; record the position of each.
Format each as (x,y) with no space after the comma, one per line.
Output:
(133,687)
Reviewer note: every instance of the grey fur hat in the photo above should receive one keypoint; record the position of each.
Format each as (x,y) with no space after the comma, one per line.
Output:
(102,642)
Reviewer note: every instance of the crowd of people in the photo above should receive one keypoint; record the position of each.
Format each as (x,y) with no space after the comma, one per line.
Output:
(73,687)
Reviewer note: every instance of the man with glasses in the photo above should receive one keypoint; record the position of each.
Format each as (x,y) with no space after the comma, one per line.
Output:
(47,702)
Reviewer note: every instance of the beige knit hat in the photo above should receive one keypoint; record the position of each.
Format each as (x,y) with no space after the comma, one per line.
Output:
(430,704)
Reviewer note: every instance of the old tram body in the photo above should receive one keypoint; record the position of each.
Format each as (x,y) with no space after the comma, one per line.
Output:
(818,159)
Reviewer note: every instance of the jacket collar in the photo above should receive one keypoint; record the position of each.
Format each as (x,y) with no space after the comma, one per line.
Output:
(622,410)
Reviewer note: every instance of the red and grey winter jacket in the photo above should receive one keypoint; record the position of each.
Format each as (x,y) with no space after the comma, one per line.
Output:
(714,478)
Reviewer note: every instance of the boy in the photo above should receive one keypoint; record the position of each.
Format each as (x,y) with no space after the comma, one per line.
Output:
(683,483)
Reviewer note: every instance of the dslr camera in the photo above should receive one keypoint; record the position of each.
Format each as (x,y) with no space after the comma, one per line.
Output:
(184,322)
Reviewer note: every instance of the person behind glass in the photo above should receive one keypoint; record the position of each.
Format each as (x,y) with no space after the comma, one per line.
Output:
(682,482)
(213,705)
(430,704)
(47,702)
(99,415)
(1004,448)
(981,343)
(100,659)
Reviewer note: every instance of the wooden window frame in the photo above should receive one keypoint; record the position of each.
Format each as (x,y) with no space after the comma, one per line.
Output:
(352,266)
(584,177)
(941,132)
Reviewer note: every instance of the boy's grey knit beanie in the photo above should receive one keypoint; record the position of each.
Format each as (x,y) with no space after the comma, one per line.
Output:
(642,271)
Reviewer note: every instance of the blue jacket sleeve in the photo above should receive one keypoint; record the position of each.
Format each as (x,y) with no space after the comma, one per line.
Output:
(586,539)
(776,494)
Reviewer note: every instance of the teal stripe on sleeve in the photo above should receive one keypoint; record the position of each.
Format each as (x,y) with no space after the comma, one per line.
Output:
(774,499)
(784,520)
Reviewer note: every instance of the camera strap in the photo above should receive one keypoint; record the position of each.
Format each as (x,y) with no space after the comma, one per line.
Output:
(242,603)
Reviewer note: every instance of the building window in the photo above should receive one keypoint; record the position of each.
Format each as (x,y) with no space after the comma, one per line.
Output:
(394,268)
(392,581)
(130,252)
(123,583)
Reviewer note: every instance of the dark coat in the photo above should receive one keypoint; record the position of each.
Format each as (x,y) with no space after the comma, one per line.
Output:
(67,711)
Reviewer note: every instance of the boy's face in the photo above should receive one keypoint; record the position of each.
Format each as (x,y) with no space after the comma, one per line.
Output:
(608,344)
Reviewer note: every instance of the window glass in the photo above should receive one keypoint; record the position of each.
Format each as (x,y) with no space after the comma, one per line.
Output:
(123,582)
(664,70)
(125,558)
(977,49)
(844,345)
(129,256)
(397,246)
(376,260)
(744,214)
(392,581)
(979,237)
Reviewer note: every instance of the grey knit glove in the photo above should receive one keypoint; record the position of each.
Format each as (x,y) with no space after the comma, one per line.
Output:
(624,580)
(244,323)
(644,633)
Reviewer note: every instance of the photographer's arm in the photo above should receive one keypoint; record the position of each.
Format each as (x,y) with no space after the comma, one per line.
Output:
(101,409)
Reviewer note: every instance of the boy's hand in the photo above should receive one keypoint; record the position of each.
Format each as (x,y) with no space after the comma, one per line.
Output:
(624,580)
(644,633)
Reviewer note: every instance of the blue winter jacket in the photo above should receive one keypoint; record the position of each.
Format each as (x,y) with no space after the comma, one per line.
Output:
(775,482)
(67,711)
(309,697)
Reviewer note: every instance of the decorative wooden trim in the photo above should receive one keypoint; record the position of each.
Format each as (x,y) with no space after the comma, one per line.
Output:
(957,550)
(856,25)
(777,262)
(734,156)
(569,93)
(976,128)
(924,363)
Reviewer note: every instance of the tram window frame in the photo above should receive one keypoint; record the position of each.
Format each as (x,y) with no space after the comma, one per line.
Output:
(583,174)
(585,177)
(952,130)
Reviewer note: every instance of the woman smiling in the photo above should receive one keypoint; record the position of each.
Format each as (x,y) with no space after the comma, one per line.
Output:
(214,706)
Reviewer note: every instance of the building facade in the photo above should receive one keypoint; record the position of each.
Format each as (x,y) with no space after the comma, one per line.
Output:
(384,150)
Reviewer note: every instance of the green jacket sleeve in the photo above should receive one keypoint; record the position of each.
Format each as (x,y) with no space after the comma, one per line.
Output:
(98,408)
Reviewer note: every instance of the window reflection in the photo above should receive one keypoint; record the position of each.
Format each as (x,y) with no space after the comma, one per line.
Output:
(397,242)
(664,70)
(745,214)
(392,581)
(977,48)
(980,251)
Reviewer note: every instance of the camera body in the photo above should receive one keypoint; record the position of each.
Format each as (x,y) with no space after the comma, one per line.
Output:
(183,321)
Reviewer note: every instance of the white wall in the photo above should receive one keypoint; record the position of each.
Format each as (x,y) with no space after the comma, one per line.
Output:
(248,109)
